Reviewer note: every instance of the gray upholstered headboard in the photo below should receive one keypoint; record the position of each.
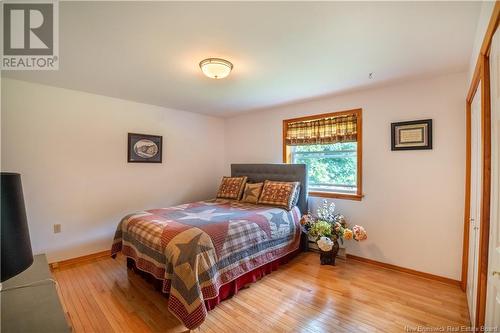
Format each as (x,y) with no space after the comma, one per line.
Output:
(281,172)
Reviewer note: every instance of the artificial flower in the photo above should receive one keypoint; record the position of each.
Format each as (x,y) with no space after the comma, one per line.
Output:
(326,211)
(359,233)
(347,234)
(320,229)
(325,244)
(340,219)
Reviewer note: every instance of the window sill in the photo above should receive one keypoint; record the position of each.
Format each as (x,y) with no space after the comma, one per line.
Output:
(347,196)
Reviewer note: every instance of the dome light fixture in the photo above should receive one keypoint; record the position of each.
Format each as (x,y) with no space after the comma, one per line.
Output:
(216,68)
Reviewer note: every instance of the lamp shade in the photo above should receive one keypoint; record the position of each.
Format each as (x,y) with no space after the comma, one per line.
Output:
(16,245)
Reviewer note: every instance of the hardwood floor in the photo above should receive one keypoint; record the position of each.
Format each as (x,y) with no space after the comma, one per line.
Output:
(302,296)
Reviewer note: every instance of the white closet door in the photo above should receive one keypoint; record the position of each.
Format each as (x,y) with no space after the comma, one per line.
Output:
(475,204)
(493,288)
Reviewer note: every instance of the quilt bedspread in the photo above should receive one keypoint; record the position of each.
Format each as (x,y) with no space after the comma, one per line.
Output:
(196,248)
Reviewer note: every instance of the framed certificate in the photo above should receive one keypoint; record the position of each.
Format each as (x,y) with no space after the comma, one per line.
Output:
(411,135)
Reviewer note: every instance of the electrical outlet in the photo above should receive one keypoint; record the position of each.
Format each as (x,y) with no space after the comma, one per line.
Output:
(57,228)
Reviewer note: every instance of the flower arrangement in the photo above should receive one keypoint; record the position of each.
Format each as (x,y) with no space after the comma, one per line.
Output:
(328,228)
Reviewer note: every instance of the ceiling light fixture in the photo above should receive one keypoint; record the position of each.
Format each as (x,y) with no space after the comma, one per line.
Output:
(216,68)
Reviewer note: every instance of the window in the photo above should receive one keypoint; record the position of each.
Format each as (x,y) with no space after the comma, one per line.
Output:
(330,146)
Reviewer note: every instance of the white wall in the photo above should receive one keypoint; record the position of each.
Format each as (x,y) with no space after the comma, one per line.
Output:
(71,149)
(413,204)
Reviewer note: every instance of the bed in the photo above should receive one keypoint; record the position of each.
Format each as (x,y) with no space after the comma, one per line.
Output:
(203,252)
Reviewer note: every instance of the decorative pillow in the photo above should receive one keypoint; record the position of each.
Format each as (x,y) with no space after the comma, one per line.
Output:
(295,199)
(281,194)
(231,187)
(252,192)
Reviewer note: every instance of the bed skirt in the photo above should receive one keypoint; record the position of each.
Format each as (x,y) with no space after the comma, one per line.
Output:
(229,289)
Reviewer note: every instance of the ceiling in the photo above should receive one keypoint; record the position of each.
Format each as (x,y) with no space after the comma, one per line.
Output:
(281,51)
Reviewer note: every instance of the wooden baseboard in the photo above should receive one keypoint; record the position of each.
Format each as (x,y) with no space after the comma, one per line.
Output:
(406,270)
(79,260)
(107,253)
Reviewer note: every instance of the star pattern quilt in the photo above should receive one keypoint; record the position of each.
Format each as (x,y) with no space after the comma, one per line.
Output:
(197,247)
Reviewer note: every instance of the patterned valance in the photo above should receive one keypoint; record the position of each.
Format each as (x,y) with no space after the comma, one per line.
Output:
(322,131)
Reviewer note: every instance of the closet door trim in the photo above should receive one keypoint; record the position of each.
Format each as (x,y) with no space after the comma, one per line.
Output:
(481,76)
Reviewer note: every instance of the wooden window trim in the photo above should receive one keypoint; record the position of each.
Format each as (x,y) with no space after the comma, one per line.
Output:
(358,112)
